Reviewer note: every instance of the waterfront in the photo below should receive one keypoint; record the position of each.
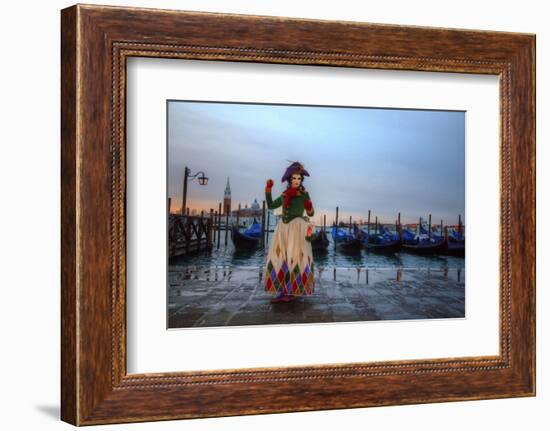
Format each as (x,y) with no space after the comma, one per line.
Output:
(380,191)
(227,255)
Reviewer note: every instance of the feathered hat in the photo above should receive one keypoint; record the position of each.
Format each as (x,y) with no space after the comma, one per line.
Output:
(294,168)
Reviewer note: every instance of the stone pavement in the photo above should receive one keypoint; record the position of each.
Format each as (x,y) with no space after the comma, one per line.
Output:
(207,297)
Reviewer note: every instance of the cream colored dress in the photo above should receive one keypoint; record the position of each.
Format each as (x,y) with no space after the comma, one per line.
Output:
(289,264)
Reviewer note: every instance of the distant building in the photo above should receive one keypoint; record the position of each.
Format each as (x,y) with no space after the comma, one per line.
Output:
(246,215)
(255,210)
(227,198)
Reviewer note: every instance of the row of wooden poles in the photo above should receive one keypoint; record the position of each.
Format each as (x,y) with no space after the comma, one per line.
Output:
(398,225)
(216,217)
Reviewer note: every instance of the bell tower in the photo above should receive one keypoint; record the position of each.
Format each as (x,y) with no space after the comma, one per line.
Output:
(227,199)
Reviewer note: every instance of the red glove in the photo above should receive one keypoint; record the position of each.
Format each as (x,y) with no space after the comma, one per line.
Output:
(308,205)
(268,185)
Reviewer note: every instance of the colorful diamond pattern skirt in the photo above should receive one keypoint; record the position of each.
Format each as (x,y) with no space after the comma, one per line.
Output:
(289,266)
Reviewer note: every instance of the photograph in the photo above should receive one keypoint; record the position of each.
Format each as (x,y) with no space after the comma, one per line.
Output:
(284,214)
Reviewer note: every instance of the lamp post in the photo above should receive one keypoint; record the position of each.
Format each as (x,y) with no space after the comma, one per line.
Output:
(187,176)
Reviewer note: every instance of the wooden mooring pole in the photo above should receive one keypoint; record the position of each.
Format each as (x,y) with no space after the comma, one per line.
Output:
(215,227)
(184,193)
(263,223)
(189,233)
(210,228)
(226,226)
(267,229)
(399,225)
(336,224)
(219,224)
(238,215)
(368,224)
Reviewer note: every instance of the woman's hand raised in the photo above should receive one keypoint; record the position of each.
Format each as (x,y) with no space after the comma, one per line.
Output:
(268,185)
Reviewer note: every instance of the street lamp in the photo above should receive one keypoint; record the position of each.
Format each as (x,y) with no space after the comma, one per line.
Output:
(203,180)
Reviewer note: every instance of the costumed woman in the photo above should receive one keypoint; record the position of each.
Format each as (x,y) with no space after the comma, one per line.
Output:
(289,263)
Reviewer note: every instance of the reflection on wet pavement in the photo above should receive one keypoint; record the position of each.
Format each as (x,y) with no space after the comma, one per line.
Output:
(200,296)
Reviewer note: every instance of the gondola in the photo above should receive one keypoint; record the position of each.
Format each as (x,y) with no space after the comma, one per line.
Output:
(320,241)
(423,244)
(393,246)
(384,242)
(455,244)
(455,248)
(430,248)
(248,239)
(346,241)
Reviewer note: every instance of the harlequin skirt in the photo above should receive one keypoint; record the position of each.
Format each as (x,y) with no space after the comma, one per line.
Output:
(289,263)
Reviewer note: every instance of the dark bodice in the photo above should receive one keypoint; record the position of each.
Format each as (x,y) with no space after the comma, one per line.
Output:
(296,207)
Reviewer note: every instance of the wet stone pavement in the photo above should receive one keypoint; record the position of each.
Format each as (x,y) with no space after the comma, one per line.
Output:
(235,296)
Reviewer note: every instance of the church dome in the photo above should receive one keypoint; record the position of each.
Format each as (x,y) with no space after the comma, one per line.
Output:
(255,205)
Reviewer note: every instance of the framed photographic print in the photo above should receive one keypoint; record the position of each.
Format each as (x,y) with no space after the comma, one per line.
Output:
(265,214)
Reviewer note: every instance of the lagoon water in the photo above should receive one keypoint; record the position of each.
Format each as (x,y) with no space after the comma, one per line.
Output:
(227,255)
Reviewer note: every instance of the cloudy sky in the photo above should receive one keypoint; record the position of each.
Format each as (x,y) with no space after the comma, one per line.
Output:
(385,160)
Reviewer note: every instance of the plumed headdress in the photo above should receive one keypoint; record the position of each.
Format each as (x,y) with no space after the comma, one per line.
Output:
(294,168)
